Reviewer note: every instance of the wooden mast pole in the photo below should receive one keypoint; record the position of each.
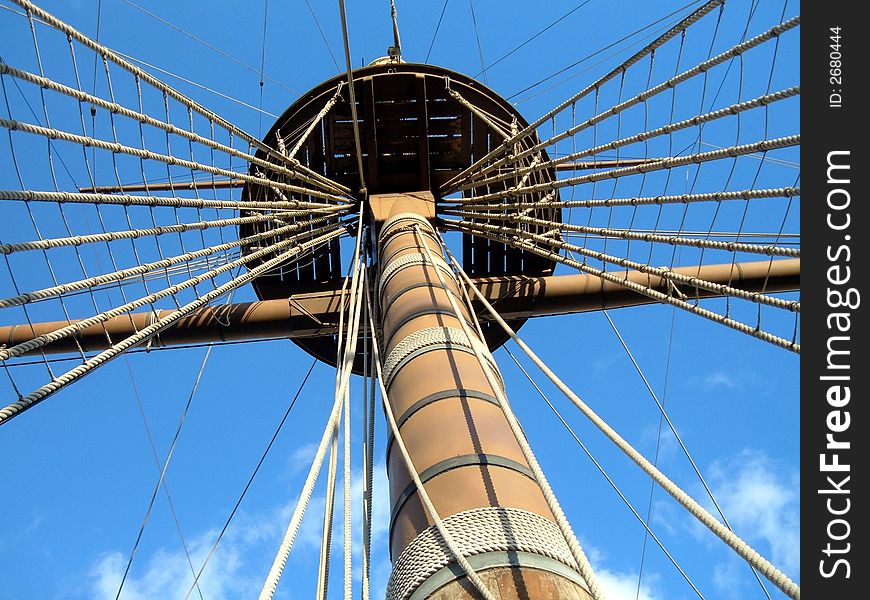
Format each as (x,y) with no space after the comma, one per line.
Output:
(459,439)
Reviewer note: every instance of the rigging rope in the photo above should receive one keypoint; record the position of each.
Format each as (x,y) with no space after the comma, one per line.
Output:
(46,390)
(743,549)
(530,129)
(275,572)
(647,529)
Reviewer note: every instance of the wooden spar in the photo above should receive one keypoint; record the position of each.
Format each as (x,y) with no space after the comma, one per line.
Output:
(315,314)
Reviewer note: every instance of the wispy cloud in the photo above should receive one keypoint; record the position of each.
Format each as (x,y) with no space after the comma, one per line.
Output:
(165,573)
(623,585)
(620,585)
(721,380)
(762,502)
(761,499)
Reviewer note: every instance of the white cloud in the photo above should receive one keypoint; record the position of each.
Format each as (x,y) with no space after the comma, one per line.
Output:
(720,379)
(620,585)
(166,573)
(623,586)
(761,500)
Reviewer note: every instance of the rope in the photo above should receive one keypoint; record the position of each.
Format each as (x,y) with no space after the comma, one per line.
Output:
(476,531)
(40,394)
(275,572)
(123,274)
(431,511)
(743,549)
(734,109)
(659,296)
(168,159)
(368,454)
(665,163)
(110,55)
(530,129)
(674,240)
(113,236)
(328,508)
(315,122)
(601,470)
(115,108)
(306,208)
(582,562)
(664,273)
(748,194)
(149,299)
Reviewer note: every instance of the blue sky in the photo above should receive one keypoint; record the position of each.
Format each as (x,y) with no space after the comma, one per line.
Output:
(79,469)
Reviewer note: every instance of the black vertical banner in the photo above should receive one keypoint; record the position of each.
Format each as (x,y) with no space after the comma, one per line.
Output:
(834,302)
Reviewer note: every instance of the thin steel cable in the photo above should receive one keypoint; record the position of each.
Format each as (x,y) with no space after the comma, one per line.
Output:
(250,481)
(534,37)
(584,567)
(647,530)
(479,45)
(210,46)
(263,66)
(652,484)
(437,28)
(667,419)
(323,35)
(743,549)
(603,49)
(163,468)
